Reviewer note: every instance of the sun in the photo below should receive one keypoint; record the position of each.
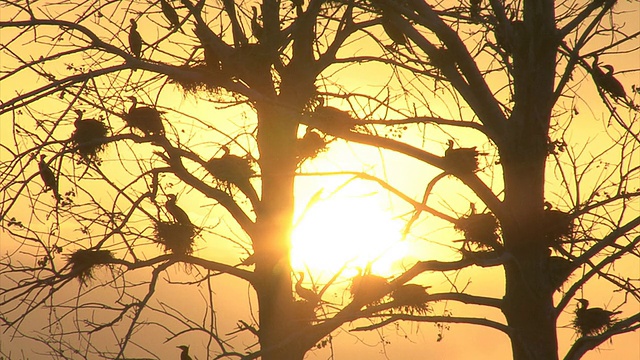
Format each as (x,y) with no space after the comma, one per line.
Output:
(351,232)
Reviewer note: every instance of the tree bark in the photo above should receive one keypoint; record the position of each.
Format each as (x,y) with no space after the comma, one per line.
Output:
(528,301)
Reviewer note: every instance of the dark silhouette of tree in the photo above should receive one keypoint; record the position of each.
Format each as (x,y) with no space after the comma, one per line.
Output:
(551,189)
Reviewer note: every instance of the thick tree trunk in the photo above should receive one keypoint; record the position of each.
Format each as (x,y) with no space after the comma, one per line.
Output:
(528,302)
(276,142)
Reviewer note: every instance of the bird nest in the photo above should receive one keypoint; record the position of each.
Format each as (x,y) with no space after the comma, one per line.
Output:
(411,299)
(332,119)
(310,146)
(303,312)
(89,139)
(176,238)
(558,225)
(83,262)
(594,321)
(559,270)
(462,160)
(231,169)
(198,78)
(368,289)
(480,229)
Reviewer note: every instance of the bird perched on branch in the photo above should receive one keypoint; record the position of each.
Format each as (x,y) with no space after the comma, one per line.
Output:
(179,215)
(592,321)
(256,28)
(48,177)
(135,40)
(184,355)
(171,15)
(232,169)
(145,118)
(606,81)
(305,293)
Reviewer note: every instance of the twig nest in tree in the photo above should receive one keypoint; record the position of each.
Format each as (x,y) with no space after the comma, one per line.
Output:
(89,138)
(231,169)
(559,270)
(594,321)
(309,146)
(411,298)
(368,288)
(558,225)
(480,229)
(84,261)
(303,312)
(332,120)
(461,160)
(176,238)
(198,78)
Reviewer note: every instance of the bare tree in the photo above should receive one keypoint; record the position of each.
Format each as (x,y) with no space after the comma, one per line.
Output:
(128,111)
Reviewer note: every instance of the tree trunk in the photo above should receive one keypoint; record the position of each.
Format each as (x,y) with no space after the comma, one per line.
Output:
(276,142)
(528,301)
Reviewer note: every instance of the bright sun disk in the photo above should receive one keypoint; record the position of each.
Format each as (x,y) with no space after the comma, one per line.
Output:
(352,231)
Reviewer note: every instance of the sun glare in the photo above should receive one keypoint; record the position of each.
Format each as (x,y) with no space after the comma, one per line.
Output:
(348,231)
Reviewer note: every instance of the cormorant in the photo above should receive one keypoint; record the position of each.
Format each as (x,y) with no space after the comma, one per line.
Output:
(145,118)
(178,214)
(48,177)
(606,81)
(305,293)
(184,355)
(393,32)
(171,15)
(256,28)
(592,321)
(233,169)
(135,40)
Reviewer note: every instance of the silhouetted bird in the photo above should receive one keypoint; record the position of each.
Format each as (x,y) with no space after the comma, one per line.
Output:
(297,4)
(393,32)
(559,270)
(233,169)
(305,293)
(310,145)
(461,159)
(178,214)
(48,177)
(184,355)
(592,321)
(474,9)
(256,28)
(145,118)
(606,81)
(135,40)
(171,15)
(89,136)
